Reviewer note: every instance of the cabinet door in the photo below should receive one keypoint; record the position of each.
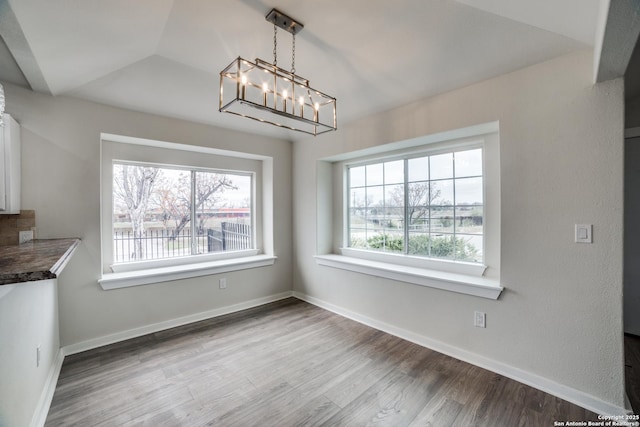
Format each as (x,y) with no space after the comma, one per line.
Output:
(10,163)
(3,171)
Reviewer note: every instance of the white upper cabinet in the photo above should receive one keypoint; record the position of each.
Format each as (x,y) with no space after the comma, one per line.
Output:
(10,166)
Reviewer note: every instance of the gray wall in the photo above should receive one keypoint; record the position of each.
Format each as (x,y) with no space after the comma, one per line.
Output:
(561,156)
(60,180)
(632,236)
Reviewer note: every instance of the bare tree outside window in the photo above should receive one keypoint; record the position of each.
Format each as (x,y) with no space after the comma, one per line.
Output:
(132,186)
(419,200)
(173,197)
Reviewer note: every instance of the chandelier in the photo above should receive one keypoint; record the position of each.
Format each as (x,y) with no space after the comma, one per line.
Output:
(267,93)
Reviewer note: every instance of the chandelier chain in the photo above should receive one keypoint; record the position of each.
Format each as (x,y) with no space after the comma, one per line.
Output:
(293,55)
(275,45)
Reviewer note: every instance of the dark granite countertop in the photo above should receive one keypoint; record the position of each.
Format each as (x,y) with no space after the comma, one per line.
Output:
(36,260)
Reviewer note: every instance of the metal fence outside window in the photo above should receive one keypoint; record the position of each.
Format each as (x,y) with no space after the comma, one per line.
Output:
(158,244)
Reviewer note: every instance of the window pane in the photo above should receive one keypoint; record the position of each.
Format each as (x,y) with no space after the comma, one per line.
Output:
(443,246)
(442,166)
(151,213)
(395,242)
(419,194)
(375,197)
(375,175)
(441,220)
(419,169)
(442,192)
(469,191)
(468,163)
(358,198)
(394,195)
(223,212)
(357,176)
(417,216)
(418,210)
(469,220)
(394,218)
(357,218)
(394,172)
(469,248)
(358,238)
(419,243)
(418,219)
(387,242)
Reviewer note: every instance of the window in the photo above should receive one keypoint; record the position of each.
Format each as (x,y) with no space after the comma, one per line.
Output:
(175,211)
(428,205)
(167,212)
(423,211)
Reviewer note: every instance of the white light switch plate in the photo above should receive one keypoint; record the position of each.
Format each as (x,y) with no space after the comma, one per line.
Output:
(25,236)
(583,233)
(479,319)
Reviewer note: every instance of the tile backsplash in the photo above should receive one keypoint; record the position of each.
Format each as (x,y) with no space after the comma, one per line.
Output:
(12,225)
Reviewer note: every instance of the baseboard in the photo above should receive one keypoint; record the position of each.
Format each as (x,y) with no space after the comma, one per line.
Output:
(44,403)
(546,385)
(168,324)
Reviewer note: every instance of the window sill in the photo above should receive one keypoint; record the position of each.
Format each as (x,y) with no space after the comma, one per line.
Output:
(460,283)
(421,263)
(177,272)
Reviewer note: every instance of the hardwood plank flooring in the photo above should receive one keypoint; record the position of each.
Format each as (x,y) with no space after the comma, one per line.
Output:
(632,370)
(289,364)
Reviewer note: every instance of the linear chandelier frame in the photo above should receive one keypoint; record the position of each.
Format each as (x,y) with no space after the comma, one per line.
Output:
(264,92)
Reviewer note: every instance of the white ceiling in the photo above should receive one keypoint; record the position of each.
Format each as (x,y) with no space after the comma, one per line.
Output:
(164,56)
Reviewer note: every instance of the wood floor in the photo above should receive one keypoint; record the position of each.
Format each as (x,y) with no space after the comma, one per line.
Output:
(632,370)
(289,364)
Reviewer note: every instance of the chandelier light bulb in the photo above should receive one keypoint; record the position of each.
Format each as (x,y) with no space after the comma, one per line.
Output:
(243,79)
(285,94)
(265,89)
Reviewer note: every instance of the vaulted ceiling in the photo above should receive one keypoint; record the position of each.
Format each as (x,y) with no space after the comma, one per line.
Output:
(164,56)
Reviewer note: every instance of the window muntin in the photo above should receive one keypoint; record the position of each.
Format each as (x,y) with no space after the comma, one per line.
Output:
(163,212)
(427,205)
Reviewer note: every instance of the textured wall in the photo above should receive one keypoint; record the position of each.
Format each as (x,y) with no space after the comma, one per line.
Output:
(631,233)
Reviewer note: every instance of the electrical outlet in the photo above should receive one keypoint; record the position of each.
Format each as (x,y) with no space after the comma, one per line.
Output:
(37,356)
(480,319)
(223,283)
(25,236)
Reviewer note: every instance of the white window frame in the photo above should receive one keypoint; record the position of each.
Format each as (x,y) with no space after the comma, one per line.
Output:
(473,268)
(193,258)
(476,279)
(117,148)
